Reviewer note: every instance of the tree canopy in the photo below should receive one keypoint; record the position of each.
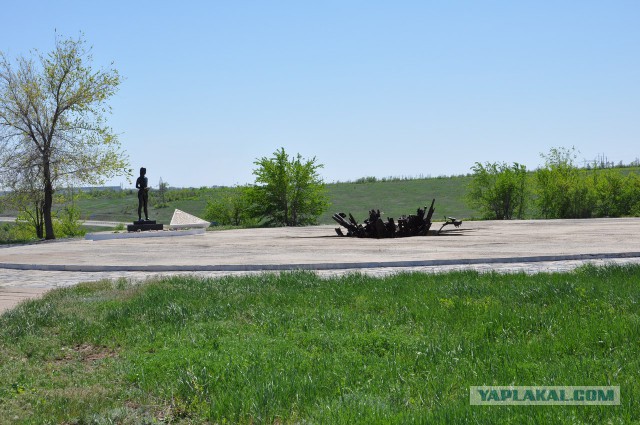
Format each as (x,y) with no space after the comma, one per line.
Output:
(498,190)
(288,191)
(52,122)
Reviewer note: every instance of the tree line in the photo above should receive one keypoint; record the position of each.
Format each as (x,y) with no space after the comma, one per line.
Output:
(559,189)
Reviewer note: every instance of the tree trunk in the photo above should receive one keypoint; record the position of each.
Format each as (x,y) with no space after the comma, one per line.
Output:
(48,200)
(294,215)
(286,212)
(39,221)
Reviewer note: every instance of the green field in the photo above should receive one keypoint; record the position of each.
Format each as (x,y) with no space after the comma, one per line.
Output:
(125,209)
(294,348)
(393,197)
(400,197)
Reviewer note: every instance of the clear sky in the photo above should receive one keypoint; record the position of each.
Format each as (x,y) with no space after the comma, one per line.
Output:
(370,88)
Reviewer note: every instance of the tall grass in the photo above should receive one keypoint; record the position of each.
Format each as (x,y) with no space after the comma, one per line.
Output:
(295,348)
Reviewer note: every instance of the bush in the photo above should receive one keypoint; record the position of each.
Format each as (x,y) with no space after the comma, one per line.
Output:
(67,223)
(17,232)
(630,198)
(563,190)
(566,191)
(499,191)
(230,207)
(608,186)
(288,191)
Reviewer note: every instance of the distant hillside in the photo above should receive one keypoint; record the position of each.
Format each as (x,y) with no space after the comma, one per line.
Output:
(401,197)
(392,197)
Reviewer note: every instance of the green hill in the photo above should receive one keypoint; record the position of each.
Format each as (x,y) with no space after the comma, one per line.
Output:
(399,197)
(393,197)
(125,208)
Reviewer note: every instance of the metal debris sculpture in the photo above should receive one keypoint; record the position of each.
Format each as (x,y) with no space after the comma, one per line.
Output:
(450,220)
(374,227)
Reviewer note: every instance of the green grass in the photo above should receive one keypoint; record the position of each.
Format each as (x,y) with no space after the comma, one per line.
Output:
(126,209)
(294,348)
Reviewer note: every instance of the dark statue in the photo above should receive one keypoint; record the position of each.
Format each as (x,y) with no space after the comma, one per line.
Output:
(142,184)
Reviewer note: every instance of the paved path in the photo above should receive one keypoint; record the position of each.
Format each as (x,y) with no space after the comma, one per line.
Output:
(527,246)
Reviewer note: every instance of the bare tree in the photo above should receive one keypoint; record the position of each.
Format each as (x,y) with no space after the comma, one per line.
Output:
(162,189)
(52,122)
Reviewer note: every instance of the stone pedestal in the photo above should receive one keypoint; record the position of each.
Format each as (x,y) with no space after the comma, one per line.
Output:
(144,225)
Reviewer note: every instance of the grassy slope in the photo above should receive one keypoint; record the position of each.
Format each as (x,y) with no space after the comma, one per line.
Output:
(396,198)
(295,348)
(393,198)
(126,209)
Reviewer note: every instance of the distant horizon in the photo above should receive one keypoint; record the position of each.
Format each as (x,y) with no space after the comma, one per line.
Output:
(583,164)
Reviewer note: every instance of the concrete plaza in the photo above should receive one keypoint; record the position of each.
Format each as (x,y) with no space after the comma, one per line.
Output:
(506,246)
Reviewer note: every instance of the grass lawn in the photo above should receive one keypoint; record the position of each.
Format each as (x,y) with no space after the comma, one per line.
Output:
(294,348)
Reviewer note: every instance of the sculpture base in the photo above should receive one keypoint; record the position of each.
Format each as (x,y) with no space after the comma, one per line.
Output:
(144,225)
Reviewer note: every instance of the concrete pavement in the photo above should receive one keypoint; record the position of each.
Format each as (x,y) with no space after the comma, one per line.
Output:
(528,245)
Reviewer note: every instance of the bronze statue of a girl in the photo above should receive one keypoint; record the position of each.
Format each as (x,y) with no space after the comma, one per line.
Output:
(142,184)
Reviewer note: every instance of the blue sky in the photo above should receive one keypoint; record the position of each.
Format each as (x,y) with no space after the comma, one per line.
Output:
(371,88)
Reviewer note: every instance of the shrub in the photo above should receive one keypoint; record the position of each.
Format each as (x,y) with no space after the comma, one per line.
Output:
(608,185)
(67,223)
(499,191)
(230,207)
(288,191)
(563,190)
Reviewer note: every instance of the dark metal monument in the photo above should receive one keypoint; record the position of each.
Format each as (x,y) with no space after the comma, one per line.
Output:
(143,225)
(142,184)
(374,227)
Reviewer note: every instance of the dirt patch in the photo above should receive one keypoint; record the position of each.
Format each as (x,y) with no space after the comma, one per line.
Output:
(91,353)
(86,353)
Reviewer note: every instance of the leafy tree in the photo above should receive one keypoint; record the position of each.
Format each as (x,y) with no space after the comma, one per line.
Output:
(631,195)
(608,185)
(498,190)
(288,191)
(52,122)
(562,189)
(616,195)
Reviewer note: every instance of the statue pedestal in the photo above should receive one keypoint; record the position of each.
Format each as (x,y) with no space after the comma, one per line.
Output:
(144,225)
